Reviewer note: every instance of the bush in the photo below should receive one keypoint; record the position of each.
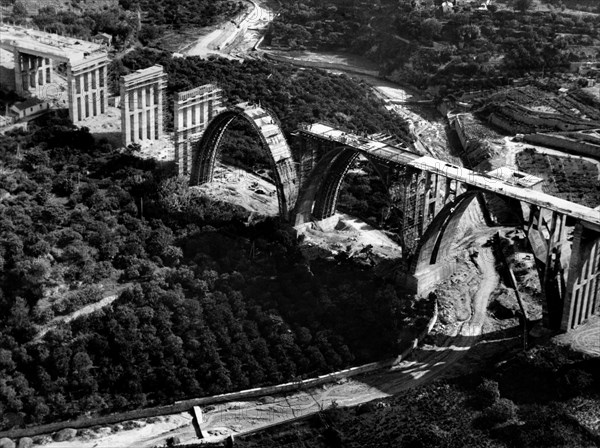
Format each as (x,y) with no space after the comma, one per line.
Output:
(488,392)
(501,411)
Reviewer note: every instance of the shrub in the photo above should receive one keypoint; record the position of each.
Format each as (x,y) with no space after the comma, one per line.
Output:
(488,392)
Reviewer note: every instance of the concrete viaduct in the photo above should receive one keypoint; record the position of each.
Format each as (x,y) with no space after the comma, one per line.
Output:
(431,195)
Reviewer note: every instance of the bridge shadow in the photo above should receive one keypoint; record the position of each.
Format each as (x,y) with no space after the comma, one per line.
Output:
(447,356)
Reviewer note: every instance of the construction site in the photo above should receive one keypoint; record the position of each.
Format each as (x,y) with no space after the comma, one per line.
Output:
(471,241)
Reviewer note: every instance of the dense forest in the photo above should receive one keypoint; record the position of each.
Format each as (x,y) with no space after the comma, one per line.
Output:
(130,20)
(424,47)
(551,406)
(120,24)
(210,300)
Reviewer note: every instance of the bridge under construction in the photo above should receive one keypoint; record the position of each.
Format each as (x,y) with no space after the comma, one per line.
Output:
(564,236)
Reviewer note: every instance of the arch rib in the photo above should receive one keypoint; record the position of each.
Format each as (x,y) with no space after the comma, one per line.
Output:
(272,141)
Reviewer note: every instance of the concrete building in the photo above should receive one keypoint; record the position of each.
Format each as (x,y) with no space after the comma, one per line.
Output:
(34,53)
(518,178)
(142,104)
(193,110)
(32,106)
(103,39)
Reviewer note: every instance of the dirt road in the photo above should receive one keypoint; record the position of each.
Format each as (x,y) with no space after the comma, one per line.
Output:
(88,309)
(230,37)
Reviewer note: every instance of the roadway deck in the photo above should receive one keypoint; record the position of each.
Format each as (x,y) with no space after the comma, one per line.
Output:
(489,183)
(40,43)
(382,150)
(403,156)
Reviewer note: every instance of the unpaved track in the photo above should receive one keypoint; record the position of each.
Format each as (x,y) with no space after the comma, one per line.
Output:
(87,309)
(229,37)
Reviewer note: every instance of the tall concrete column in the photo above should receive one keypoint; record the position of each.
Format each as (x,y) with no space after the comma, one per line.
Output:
(18,57)
(41,72)
(89,81)
(197,108)
(33,71)
(125,132)
(27,72)
(141,93)
(96,97)
(136,113)
(49,71)
(103,82)
(72,83)
(159,112)
(188,117)
(153,112)
(582,297)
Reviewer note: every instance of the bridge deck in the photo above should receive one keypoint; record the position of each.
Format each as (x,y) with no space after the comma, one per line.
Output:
(381,150)
(40,43)
(403,156)
(489,183)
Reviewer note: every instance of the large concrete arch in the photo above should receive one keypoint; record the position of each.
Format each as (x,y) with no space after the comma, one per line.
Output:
(433,258)
(318,198)
(272,141)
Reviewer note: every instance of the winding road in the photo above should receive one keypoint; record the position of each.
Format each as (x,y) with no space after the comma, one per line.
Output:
(231,35)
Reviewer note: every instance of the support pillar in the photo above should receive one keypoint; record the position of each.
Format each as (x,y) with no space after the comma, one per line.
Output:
(26,72)
(18,57)
(553,281)
(49,71)
(103,83)
(199,121)
(96,97)
(142,113)
(152,113)
(136,114)
(582,297)
(33,71)
(72,92)
(159,112)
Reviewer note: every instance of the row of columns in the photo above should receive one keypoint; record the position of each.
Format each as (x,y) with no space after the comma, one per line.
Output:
(86,81)
(31,71)
(425,194)
(142,104)
(582,295)
(570,277)
(191,117)
(142,113)
(88,94)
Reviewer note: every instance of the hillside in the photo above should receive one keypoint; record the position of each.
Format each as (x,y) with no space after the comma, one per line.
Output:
(33,6)
(455,51)
(219,302)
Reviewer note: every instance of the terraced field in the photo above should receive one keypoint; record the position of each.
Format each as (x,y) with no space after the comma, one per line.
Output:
(569,178)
